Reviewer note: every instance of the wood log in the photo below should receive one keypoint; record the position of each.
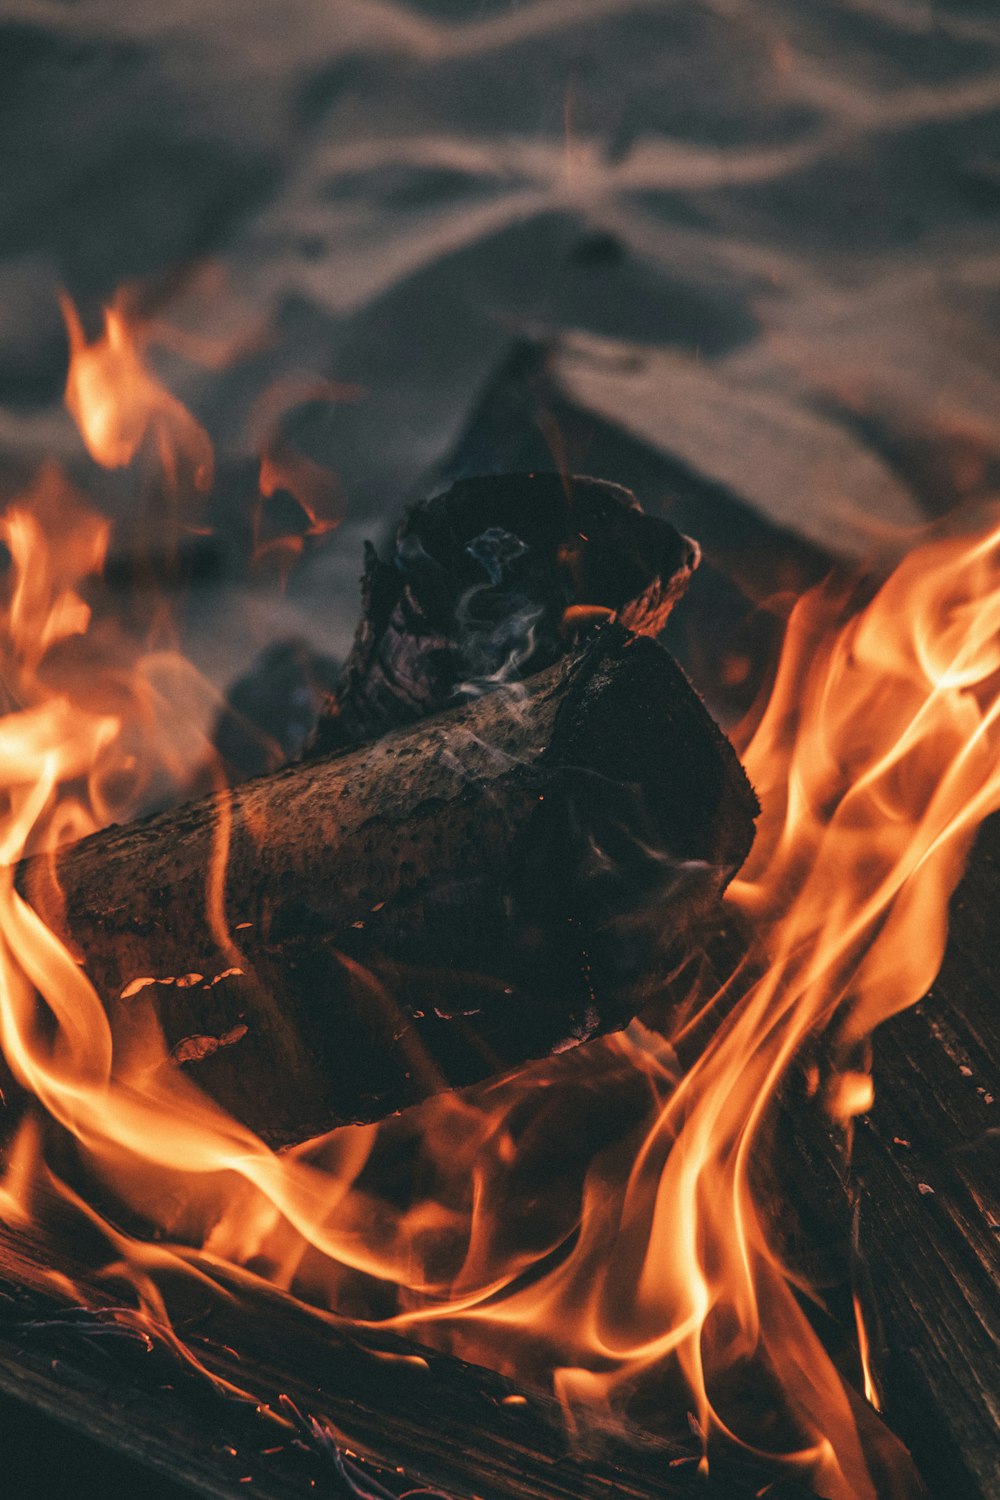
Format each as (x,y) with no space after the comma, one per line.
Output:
(905,1209)
(498,883)
(925,1175)
(487,583)
(89,1401)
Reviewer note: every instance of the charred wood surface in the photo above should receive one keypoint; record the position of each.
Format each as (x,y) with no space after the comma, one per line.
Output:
(905,1209)
(721,636)
(926,1170)
(487,582)
(907,1213)
(324,1409)
(495,884)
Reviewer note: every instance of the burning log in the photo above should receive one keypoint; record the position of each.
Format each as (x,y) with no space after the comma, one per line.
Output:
(903,1210)
(489,582)
(360,1411)
(924,1175)
(338,940)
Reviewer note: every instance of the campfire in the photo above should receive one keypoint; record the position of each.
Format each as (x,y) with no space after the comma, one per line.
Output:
(468,1103)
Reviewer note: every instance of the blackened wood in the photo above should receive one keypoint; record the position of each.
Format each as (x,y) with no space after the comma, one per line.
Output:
(482,585)
(905,1210)
(328,1409)
(501,882)
(722,637)
(926,1172)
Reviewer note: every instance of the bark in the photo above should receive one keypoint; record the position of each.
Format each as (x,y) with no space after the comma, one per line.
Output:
(497,883)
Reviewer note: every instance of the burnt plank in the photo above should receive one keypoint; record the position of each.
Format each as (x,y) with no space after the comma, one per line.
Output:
(926,1169)
(322,1403)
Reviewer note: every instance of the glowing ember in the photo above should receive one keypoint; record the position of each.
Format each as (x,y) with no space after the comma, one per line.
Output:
(654,1258)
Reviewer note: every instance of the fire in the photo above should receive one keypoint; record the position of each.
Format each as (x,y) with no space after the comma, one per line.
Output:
(316,490)
(118,403)
(599,1221)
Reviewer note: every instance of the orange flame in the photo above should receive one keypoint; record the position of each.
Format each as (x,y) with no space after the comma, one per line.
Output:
(315,488)
(599,1220)
(117,402)
(871,1393)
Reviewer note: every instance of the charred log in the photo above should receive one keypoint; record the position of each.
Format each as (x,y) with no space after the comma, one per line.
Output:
(904,1210)
(487,583)
(926,1180)
(498,883)
(358,1412)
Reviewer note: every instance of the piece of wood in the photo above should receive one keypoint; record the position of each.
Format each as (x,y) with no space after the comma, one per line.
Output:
(326,1408)
(721,636)
(496,884)
(489,583)
(905,1208)
(926,1176)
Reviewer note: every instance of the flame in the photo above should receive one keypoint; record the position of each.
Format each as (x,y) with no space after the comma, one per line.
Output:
(871,1393)
(314,487)
(602,1221)
(118,403)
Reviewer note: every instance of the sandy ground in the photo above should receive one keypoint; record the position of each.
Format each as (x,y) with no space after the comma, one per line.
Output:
(757,236)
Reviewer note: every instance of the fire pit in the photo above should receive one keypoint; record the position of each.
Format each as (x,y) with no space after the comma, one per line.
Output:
(468,1105)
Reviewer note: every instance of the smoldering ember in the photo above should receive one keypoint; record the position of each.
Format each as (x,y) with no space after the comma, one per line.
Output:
(499,751)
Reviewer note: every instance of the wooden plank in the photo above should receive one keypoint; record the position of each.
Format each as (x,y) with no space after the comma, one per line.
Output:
(329,1406)
(926,1168)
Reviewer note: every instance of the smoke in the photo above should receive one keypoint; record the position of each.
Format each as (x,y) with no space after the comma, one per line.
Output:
(497,621)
